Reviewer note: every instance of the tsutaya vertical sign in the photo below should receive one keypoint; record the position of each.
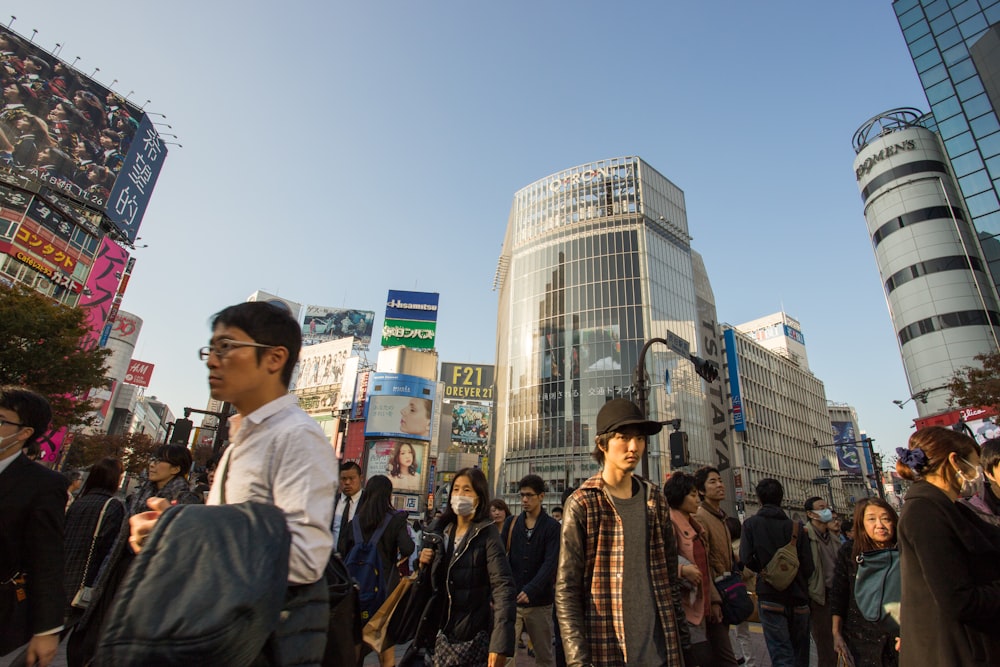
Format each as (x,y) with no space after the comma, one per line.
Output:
(410,319)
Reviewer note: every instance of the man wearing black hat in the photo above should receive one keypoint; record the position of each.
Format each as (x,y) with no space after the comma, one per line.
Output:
(618,558)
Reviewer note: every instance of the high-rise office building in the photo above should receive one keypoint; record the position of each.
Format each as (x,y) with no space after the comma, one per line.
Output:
(955,46)
(781,333)
(596,261)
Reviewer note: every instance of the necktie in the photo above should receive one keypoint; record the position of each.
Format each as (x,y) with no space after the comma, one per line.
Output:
(345,516)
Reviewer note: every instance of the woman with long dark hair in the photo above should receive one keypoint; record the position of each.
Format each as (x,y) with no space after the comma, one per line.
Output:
(858,640)
(949,557)
(395,543)
(86,544)
(470,568)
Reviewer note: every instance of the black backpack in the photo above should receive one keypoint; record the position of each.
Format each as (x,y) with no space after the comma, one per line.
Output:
(366,569)
(207,589)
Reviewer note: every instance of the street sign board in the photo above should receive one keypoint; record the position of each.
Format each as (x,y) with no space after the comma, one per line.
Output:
(678,344)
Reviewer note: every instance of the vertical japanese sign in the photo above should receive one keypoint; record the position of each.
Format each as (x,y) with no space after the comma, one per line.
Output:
(739,418)
(130,194)
(847,452)
(107,272)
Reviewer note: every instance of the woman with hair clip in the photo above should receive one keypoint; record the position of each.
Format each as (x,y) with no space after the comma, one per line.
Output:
(471,569)
(858,640)
(949,558)
(394,544)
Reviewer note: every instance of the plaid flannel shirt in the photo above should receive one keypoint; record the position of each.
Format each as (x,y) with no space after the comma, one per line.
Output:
(589,583)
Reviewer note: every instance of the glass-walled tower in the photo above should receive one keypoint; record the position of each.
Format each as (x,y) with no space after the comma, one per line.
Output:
(596,261)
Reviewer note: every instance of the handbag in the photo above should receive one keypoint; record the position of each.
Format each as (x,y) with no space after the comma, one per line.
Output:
(736,603)
(82,598)
(376,632)
(877,587)
(470,653)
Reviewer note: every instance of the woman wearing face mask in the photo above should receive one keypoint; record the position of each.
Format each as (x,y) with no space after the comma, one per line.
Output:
(471,569)
(986,500)
(949,558)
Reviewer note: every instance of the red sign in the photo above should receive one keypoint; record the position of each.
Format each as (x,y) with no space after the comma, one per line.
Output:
(50,250)
(951,418)
(139,373)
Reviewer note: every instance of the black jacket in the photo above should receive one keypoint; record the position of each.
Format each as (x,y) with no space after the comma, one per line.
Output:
(32,511)
(950,572)
(471,576)
(534,560)
(81,522)
(763,534)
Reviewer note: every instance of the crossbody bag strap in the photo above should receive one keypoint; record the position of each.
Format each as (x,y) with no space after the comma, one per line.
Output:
(93,540)
(795,533)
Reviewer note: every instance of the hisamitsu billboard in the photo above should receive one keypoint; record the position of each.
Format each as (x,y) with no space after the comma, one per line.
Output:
(412,306)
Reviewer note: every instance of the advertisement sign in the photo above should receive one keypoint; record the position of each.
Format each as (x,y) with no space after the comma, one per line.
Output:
(102,284)
(103,151)
(126,328)
(847,452)
(347,383)
(360,395)
(470,425)
(468,381)
(322,324)
(412,306)
(322,365)
(402,461)
(408,333)
(57,277)
(739,419)
(399,406)
(979,422)
(139,373)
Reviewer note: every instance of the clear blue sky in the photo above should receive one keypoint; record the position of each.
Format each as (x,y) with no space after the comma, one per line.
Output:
(336,150)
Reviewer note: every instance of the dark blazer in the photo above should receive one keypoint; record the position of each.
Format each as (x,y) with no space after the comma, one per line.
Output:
(950,573)
(32,506)
(763,534)
(534,560)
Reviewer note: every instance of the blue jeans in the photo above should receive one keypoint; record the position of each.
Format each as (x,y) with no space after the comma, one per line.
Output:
(786,633)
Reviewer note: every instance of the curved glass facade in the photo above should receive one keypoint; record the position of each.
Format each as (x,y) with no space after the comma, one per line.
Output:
(596,261)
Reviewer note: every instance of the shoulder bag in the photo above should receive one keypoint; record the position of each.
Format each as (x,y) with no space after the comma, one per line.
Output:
(82,598)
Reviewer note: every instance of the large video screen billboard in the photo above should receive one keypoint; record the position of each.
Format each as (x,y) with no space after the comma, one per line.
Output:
(402,461)
(62,129)
(322,324)
(470,424)
(399,406)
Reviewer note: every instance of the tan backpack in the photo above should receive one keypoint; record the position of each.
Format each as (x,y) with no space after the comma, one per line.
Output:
(780,571)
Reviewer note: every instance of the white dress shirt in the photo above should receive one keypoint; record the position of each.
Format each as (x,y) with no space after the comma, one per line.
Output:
(280,456)
(339,511)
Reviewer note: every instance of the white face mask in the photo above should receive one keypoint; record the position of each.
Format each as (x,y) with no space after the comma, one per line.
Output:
(970,485)
(463,505)
(825,515)
(4,445)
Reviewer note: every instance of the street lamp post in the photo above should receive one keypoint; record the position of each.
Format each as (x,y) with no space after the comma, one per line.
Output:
(826,470)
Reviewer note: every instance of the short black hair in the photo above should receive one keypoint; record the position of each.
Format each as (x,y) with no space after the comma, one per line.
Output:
(701,475)
(557,508)
(105,475)
(989,455)
(770,492)
(677,488)
(811,502)
(482,488)
(533,482)
(350,465)
(175,455)
(268,324)
(33,410)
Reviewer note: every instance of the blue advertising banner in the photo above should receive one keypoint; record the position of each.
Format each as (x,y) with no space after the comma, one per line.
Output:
(421,306)
(739,419)
(130,194)
(847,451)
(399,406)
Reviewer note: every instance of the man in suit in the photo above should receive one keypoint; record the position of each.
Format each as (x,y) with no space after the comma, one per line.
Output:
(32,504)
(349,498)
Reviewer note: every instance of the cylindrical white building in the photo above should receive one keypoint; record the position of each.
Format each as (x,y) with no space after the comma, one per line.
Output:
(942,303)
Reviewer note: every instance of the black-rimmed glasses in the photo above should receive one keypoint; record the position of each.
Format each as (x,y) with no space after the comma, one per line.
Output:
(4,422)
(224,347)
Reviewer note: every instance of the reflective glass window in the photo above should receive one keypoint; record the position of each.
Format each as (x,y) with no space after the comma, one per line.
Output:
(965,9)
(934,9)
(955,53)
(984,126)
(993,166)
(989,224)
(916,31)
(939,92)
(962,70)
(949,39)
(934,75)
(902,6)
(977,106)
(963,143)
(942,22)
(969,88)
(989,146)
(992,14)
(947,108)
(968,163)
(975,183)
(982,203)
(953,126)
(973,26)
(927,60)
(922,45)
(909,17)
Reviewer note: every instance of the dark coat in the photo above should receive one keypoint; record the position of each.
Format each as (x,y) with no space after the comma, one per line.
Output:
(32,507)
(395,540)
(534,560)
(81,522)
(763,534)
(472,575)
(950,573)
(869,643)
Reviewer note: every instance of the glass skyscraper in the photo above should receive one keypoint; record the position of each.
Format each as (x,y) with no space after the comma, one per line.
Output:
(596,261)
(955,46)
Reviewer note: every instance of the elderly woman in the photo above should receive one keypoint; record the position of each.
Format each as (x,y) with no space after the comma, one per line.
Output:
(860,641)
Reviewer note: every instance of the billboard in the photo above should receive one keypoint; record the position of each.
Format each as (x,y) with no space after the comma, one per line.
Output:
(979,422)
(847,451)
(402,461)
(322,324)
(322,365)
(468,381)
(470,425)
(739,418)
(410,320)
(399,406)
(67,132)
(99,292)
(139,373)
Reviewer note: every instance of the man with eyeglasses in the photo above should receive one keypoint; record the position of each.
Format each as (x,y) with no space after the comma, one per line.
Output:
(32,502)
(278,455)
(618,597)
(532,540)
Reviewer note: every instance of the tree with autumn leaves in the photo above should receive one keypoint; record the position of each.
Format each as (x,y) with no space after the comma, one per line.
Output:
(41,349)
(977,386)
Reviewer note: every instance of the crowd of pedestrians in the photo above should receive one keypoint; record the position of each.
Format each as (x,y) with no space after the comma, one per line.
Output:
(626,574)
